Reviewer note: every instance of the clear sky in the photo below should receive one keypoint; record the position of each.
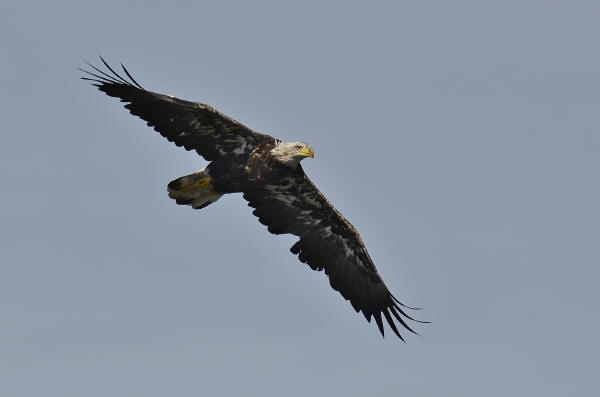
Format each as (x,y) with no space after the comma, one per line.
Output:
(461,138)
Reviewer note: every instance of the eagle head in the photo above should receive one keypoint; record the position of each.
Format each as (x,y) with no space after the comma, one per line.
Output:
(291,153)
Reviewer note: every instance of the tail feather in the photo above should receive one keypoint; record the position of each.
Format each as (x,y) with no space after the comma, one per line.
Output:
(195,189)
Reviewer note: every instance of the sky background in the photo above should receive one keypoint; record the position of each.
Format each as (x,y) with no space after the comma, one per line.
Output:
(461,138)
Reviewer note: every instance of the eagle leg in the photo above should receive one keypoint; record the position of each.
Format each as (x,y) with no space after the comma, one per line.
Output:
(195,189)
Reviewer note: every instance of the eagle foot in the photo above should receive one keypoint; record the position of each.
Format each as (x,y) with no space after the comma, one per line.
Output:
(195,189)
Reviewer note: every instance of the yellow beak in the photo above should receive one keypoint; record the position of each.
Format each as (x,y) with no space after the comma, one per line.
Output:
(306,151)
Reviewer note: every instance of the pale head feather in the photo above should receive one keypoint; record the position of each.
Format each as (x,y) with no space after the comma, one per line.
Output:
(291,153)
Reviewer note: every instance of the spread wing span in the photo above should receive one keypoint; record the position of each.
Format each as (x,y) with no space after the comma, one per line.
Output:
(327,242)
(193,125)
(273,183)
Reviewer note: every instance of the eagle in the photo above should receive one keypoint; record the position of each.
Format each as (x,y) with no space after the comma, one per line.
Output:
(268,173)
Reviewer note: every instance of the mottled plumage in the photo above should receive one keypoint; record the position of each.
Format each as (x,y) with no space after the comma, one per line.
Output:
(268,173)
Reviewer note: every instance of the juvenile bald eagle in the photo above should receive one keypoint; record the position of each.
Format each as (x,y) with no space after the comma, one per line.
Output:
(268,173)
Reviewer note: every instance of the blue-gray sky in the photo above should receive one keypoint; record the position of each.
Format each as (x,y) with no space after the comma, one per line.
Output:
(461,138)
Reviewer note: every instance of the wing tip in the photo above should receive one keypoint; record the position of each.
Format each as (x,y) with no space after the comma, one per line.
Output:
(398,314)
(110,77)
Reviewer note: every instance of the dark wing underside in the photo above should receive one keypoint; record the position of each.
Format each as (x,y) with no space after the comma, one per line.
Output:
(195,126)
(327,242)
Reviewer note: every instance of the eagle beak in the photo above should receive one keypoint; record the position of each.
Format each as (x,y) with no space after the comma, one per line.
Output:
(306,151)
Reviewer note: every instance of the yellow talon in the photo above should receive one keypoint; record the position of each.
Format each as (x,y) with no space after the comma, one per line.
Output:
(204,183)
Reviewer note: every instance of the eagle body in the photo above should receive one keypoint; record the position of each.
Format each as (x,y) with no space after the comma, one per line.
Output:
(265,164)
(268,173)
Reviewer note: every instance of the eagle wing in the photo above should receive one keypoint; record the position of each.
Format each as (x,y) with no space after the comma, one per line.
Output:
(327,242)
(195,126)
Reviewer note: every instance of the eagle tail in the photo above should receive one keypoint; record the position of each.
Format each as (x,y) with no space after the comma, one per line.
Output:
(195,189)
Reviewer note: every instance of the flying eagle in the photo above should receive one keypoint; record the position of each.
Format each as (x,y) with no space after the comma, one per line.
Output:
(268,173)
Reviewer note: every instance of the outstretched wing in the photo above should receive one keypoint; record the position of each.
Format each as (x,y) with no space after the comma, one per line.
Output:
(327,242)
(193,125)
